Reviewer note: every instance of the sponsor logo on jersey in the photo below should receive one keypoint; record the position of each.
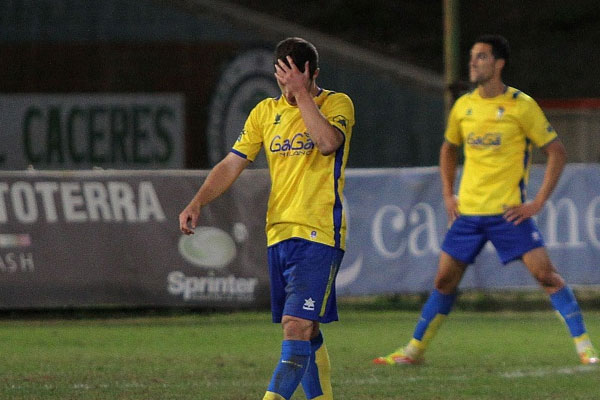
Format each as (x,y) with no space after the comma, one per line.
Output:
(299,144)
(488,140)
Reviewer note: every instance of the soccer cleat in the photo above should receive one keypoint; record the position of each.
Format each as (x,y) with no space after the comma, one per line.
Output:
(397,357)
(589,356)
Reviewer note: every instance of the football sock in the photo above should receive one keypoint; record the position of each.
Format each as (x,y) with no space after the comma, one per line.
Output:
(436,308)
(272,396)
(583,343)
(292,365)
(565,303)
(316,382)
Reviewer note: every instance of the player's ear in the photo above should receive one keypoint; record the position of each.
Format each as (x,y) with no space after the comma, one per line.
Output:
(314,77)
(500,63)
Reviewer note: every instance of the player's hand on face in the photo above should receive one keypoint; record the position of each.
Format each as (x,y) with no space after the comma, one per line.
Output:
(291,77)
(188,219)
(520,213)
(451,204)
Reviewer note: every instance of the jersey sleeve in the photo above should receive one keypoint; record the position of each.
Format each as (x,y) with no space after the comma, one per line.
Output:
(535,125)
(453,133)
(339,111)
(250,140)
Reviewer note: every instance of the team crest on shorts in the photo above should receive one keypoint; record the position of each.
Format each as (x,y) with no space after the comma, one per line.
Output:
(309,304)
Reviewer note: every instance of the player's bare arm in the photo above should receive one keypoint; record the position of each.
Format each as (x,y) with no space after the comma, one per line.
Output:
(555,163)
(217,182)
(301,87)
(448,164)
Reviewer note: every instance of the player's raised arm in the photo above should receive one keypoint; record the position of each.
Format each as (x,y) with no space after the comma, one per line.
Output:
(218,181)
(300,87)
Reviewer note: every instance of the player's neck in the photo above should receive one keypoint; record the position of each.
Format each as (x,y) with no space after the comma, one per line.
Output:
(314,89)
(492,88)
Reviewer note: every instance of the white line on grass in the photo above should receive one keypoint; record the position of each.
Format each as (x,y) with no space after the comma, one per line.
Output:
(373,380)
(370,380)
(549,371)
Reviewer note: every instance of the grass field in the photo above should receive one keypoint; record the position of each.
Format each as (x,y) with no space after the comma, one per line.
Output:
(526,355)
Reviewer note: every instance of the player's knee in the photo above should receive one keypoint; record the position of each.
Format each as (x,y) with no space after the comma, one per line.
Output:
(296,328)
(445,283)
(449,274)
(315,330)
(549,279)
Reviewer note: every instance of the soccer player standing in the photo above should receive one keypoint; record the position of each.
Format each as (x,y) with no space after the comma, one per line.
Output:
(306,136)
(496,124)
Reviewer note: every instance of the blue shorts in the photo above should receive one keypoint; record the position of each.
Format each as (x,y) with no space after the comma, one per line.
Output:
(303,280)
(468,235)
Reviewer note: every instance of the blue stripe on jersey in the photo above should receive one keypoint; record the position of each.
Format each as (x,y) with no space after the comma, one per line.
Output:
(516,94)
(525,164)
(522,189)
(337,206)
(239,153)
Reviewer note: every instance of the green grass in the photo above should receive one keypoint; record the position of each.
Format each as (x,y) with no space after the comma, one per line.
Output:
(507,355)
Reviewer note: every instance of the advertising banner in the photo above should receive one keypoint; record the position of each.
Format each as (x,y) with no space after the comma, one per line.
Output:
(81,131)
(82,239)
(111,238)
(111,103)
(397,223)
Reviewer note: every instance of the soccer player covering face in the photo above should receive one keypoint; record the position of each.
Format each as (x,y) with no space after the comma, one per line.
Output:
(496,124)
(305,133)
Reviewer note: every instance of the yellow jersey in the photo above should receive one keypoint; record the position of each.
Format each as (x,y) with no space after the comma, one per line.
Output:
(497,134)
(306,198)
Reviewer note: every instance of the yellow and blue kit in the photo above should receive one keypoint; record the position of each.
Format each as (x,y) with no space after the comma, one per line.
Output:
(306,186)
(497,134)
(306,228)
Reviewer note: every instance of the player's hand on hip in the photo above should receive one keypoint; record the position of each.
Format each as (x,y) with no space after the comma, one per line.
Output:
(451,204)
(188,219)
(520,213)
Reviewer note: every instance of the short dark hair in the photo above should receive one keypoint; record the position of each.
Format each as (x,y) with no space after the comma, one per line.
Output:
(500,46)
(301,51)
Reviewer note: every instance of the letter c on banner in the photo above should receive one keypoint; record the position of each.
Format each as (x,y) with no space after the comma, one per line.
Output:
(398,223)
